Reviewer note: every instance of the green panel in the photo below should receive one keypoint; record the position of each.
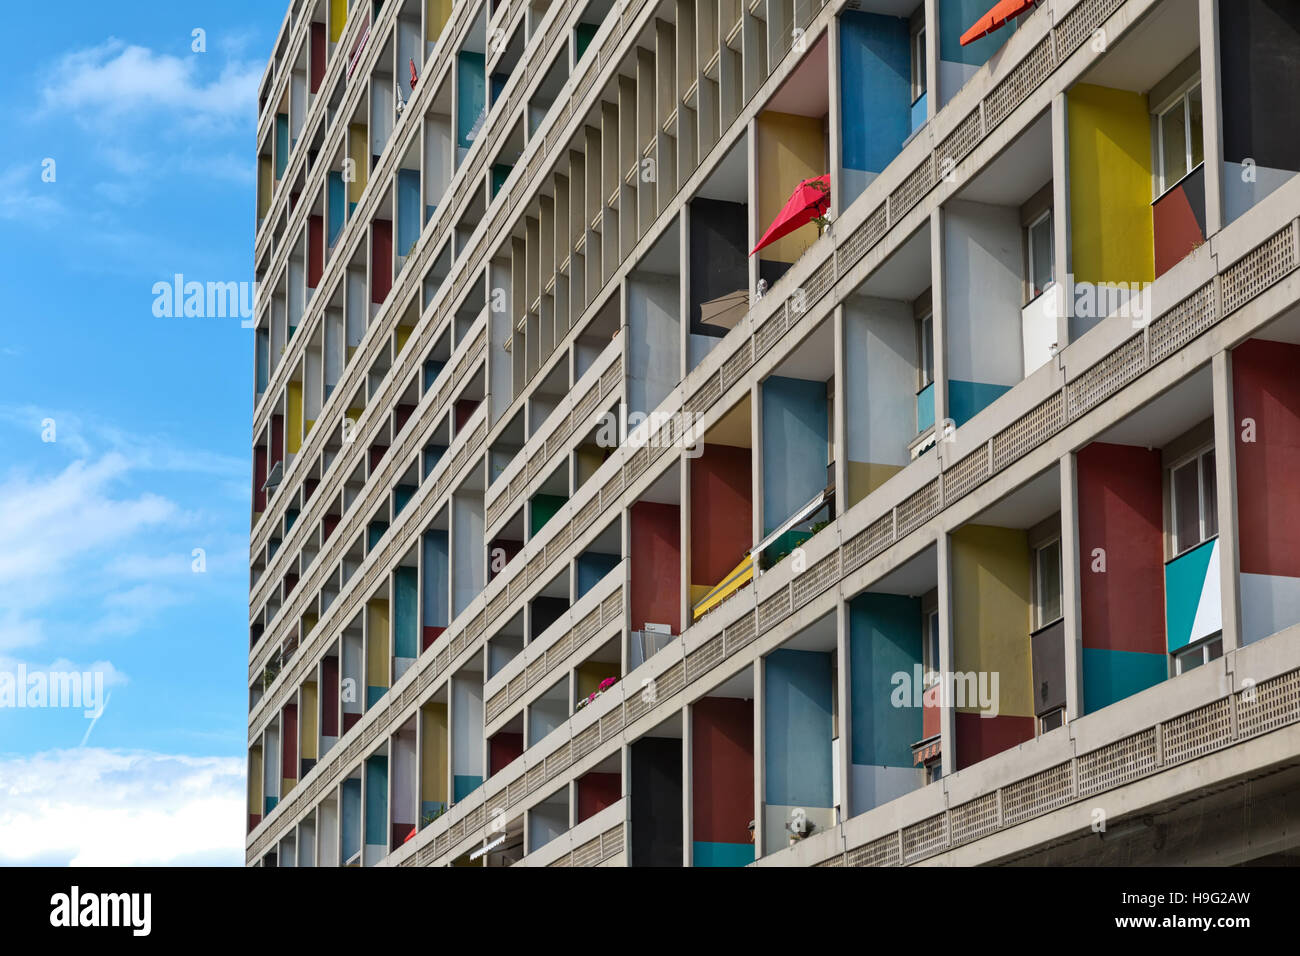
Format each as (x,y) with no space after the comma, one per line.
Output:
(543,510)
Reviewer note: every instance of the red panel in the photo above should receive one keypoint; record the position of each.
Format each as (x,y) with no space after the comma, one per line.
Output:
(289,742)
(253,820)
(430,635)
(315,250)
(277,439)
(596,791)
(656,565)
(1121,512)
(350,720)
(979,738)
(721,512)
(498,562)
(309,488)
(1177,231)
(464,409)
(722,766)
(381,262)
(400,415)
(931,712)
(401,833)
(376,455)
(317,55)
(503,749)
(330,522)
(329,695)
(290,582)
(259,478)
(1266,389)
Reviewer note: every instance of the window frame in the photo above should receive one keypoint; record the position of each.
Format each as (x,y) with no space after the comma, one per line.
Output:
(924,375)
(1204,533)
(1203,648)
(1040,619)
(1182,99)
(1033,293)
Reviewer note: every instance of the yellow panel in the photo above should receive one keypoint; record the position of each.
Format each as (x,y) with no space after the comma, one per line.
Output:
(286,784)
(338,19)
(589,458)
(433,753)
(294,440)
(1110,185)
(403,333)
(790,149)
(377,643)
(865,477)
(307,721)
(255,781)
(991,595)
(591,674)
(439,11)
(265,186)
(359,153)
(308,425)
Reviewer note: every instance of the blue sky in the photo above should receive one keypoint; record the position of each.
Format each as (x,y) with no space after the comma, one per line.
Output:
(153,174)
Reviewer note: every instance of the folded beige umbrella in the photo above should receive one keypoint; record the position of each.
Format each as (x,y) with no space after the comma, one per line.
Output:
(725,311)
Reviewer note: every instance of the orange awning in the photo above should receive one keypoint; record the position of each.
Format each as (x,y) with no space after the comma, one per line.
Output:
(1003,12)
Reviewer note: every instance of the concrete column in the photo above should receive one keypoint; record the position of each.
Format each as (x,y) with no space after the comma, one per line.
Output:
(1070,591)
(836,118)
(1225,468)
(760,746)
(844,784)
(937,284)
(688,820)
(756,458)
(1212,119)
(947,715)
(932,103)
(751,165)
(839,432)
(1061,216)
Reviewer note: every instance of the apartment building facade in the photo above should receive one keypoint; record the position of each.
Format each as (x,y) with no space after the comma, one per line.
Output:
(959,527)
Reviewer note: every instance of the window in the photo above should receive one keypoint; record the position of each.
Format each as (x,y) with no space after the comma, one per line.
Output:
(1194,505)
(925,348)
(1051,720)
(1179,141)
(918,63)
(1202,652)
(1042,255)
(1047,584)
(931,662)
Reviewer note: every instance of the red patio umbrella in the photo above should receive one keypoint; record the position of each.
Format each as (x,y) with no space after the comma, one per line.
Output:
(811,199)
(1003,12)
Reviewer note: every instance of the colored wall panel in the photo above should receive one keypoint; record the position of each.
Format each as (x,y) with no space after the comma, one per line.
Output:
(719,256)
(433,758)
(503,749)
(968,399)
(656,802)
(281,143)
(721,512)
(1110,185)
(338,19)
(880,351)
(436,15)
(295,418)
(436,571)
(795,446)
(980,737)
(336,203)
(350,819)
(790,149)
(467,750)
(884,640)
(408,210)
(471,92)
(359,153)
(591,674)
(377,652)
(542,509)
(318,55)
(592,568)
(406,620)
(596,791)
(1259,43)
(315,250)
(381,261)
(309,733)
(377,800)
(797,734)
(265,189)
(656,565)
(875,95)
(1193,598)
(958,63)
(722,774)
(1178,219)
(329,726)
(1111,675)
(289,746)
(1121,548)
(991,594)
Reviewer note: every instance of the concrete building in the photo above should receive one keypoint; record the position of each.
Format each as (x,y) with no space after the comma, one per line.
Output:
(973,538)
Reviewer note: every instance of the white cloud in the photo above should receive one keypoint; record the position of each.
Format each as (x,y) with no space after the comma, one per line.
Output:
(97,807)
(115,78)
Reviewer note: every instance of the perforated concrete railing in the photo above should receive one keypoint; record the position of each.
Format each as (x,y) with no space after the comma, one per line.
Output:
(596,850)
(1239,716)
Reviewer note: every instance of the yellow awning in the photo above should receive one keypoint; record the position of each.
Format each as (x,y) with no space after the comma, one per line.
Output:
(738,578)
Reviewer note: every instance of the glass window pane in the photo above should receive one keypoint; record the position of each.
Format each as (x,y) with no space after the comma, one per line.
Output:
(1214,649)
(1040,254)
(1173,141)
(1190,659)
(933,643)
(1208,494)
(1198,137)
(1049,583)
(1187,507)
(927,349)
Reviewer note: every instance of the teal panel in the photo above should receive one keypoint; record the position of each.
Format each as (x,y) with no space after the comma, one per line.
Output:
(374,533)
(722,854)
(270,803)
(884,639)
(281,143)
(406,624)
(918,112)
(402,496)
(925,408)
(1109,676)
(1184,582)
(797,722)
(263,359)
(463,784)
(583,34)
(967,399)
(436,579)
(429,807)
(471,90)
(350,819)
(290,516)
(875,88)
(377,801)
(374,695)
(592,567)
(542,510)
(408,210)
(337,205)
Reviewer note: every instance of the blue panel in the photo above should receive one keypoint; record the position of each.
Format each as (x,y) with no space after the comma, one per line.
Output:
(408,210)
(925,408)
(464,784)
(884,640)
(375,533)
(967,399)
(875,88)
(471,86)
(1109,675)
(918,113)
(955,18)
(592,567)
(374,695)
(350,818)
(290,516)
(1184,582)
(436,579)
(281,143)
(430,807)
(797,722)
(432,455)
(337,204)
(795,427)
(722,854)
(432,369)
(270,803)
(406,624)
(402,496)
(377,801)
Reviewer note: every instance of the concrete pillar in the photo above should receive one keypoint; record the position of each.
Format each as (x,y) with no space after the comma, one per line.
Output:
(844,721)
(688,820)
(947,714)
(937,284)
(932,103)
(1225,468)
(1061,215)
(756,458)
(836,118)
(1212,118)
(1070,588)
(839,428)
(760,749)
